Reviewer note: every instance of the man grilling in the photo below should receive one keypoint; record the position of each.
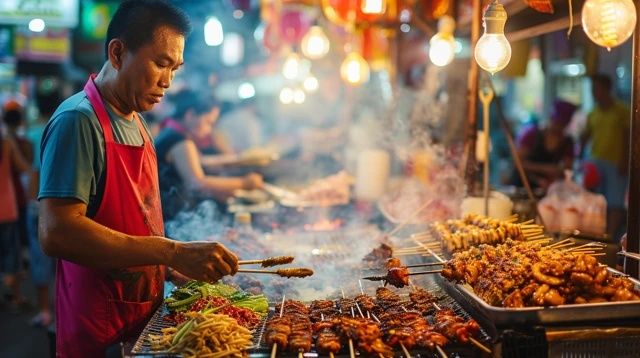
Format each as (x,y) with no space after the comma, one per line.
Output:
(100,207)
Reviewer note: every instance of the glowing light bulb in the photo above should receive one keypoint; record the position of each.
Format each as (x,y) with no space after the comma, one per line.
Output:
(310,84)
(286,95)
(299,96)
(315,43)
(442,46)
(291,67)
(213,34)
(373,6)
(493,51)
(354,69)
(609,23)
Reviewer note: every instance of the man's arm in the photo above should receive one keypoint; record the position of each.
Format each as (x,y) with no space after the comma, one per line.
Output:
(66,232)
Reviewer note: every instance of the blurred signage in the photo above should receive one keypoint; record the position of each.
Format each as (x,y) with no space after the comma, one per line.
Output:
(57,13)
(51,45)
(95,19)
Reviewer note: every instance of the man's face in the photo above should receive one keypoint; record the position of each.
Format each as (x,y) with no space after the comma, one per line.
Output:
(146,73)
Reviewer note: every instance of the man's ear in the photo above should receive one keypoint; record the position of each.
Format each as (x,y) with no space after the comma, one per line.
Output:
(116,53)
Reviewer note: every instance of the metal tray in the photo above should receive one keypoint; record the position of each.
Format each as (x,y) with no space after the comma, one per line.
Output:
(501,316)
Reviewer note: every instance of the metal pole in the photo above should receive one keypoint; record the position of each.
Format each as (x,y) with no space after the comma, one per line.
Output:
(633,213)
(469,160)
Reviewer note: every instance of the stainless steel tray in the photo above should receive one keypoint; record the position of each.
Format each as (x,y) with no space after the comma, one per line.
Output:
(501,316)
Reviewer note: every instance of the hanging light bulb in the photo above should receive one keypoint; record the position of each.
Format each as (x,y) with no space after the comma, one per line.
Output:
(442,46)
(310,84)
(354,69)
(286,95)
(315,43)
(299,96)
(291,67)
(493,51)
(375,7)
(608,23)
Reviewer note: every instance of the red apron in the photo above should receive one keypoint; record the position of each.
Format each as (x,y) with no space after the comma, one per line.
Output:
(96,308)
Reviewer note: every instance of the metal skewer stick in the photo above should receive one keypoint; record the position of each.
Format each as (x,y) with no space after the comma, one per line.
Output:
(274,349)
(424,272)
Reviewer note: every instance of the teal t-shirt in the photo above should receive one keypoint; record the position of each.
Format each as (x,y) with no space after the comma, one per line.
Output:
(73,152)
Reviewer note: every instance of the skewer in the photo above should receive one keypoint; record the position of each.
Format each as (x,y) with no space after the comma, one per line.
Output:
(441,352)
(409,218)
(591,245)
(269,262)
(480,345)
(404,349)
(560,242)
(428,264)
(275,345)
(424,272)
(352,353)
(565,245)
(287,272)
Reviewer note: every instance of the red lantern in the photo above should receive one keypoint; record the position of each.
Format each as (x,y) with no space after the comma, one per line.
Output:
(375,48)
(337,11)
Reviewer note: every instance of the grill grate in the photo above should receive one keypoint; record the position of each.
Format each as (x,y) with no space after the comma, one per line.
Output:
(157,324)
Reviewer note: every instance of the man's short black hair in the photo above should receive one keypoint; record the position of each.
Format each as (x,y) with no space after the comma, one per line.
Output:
(603,80)
(135,22)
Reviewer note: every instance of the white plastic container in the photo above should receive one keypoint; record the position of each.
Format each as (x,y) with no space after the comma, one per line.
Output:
(500,206)
(372,174)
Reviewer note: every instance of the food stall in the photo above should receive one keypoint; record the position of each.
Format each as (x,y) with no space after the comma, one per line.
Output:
(426,281)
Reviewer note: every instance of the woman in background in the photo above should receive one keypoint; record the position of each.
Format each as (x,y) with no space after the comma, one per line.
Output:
(180,146)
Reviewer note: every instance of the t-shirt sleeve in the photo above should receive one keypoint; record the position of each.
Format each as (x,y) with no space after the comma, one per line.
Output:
(68,157)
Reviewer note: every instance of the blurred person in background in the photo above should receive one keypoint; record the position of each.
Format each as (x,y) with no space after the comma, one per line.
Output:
(100,211)
(180,147)
(546,152)
(14,120)
(41,266)
(11,162)
(608,130)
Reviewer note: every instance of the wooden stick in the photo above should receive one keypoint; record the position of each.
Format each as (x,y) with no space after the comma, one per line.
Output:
(274,349)
(429,264)
(568,244)
(404,349)
(560,242)
(411,217)
(424,272)
(480,345)
(441,352)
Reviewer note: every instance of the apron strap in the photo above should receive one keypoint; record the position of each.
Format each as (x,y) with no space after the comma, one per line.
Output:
(98,107)
(143,131)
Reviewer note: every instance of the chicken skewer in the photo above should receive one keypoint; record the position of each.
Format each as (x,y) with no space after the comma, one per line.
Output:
(269,262)
(274,349)
(286,272)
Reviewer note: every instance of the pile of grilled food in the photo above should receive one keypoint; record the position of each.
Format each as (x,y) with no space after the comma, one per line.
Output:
(524,274)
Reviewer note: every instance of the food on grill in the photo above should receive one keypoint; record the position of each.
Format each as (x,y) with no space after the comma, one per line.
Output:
(421,300)
(392,263)
(522,274)
(295,272)
(455,327)
(276,261)
(410,329)
(474,230)
(378,256)
(332,190)
(364,333)
(292,331)
(204,335)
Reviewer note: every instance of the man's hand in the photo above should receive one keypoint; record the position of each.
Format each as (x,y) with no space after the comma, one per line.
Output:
(204,261)
(252,181)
